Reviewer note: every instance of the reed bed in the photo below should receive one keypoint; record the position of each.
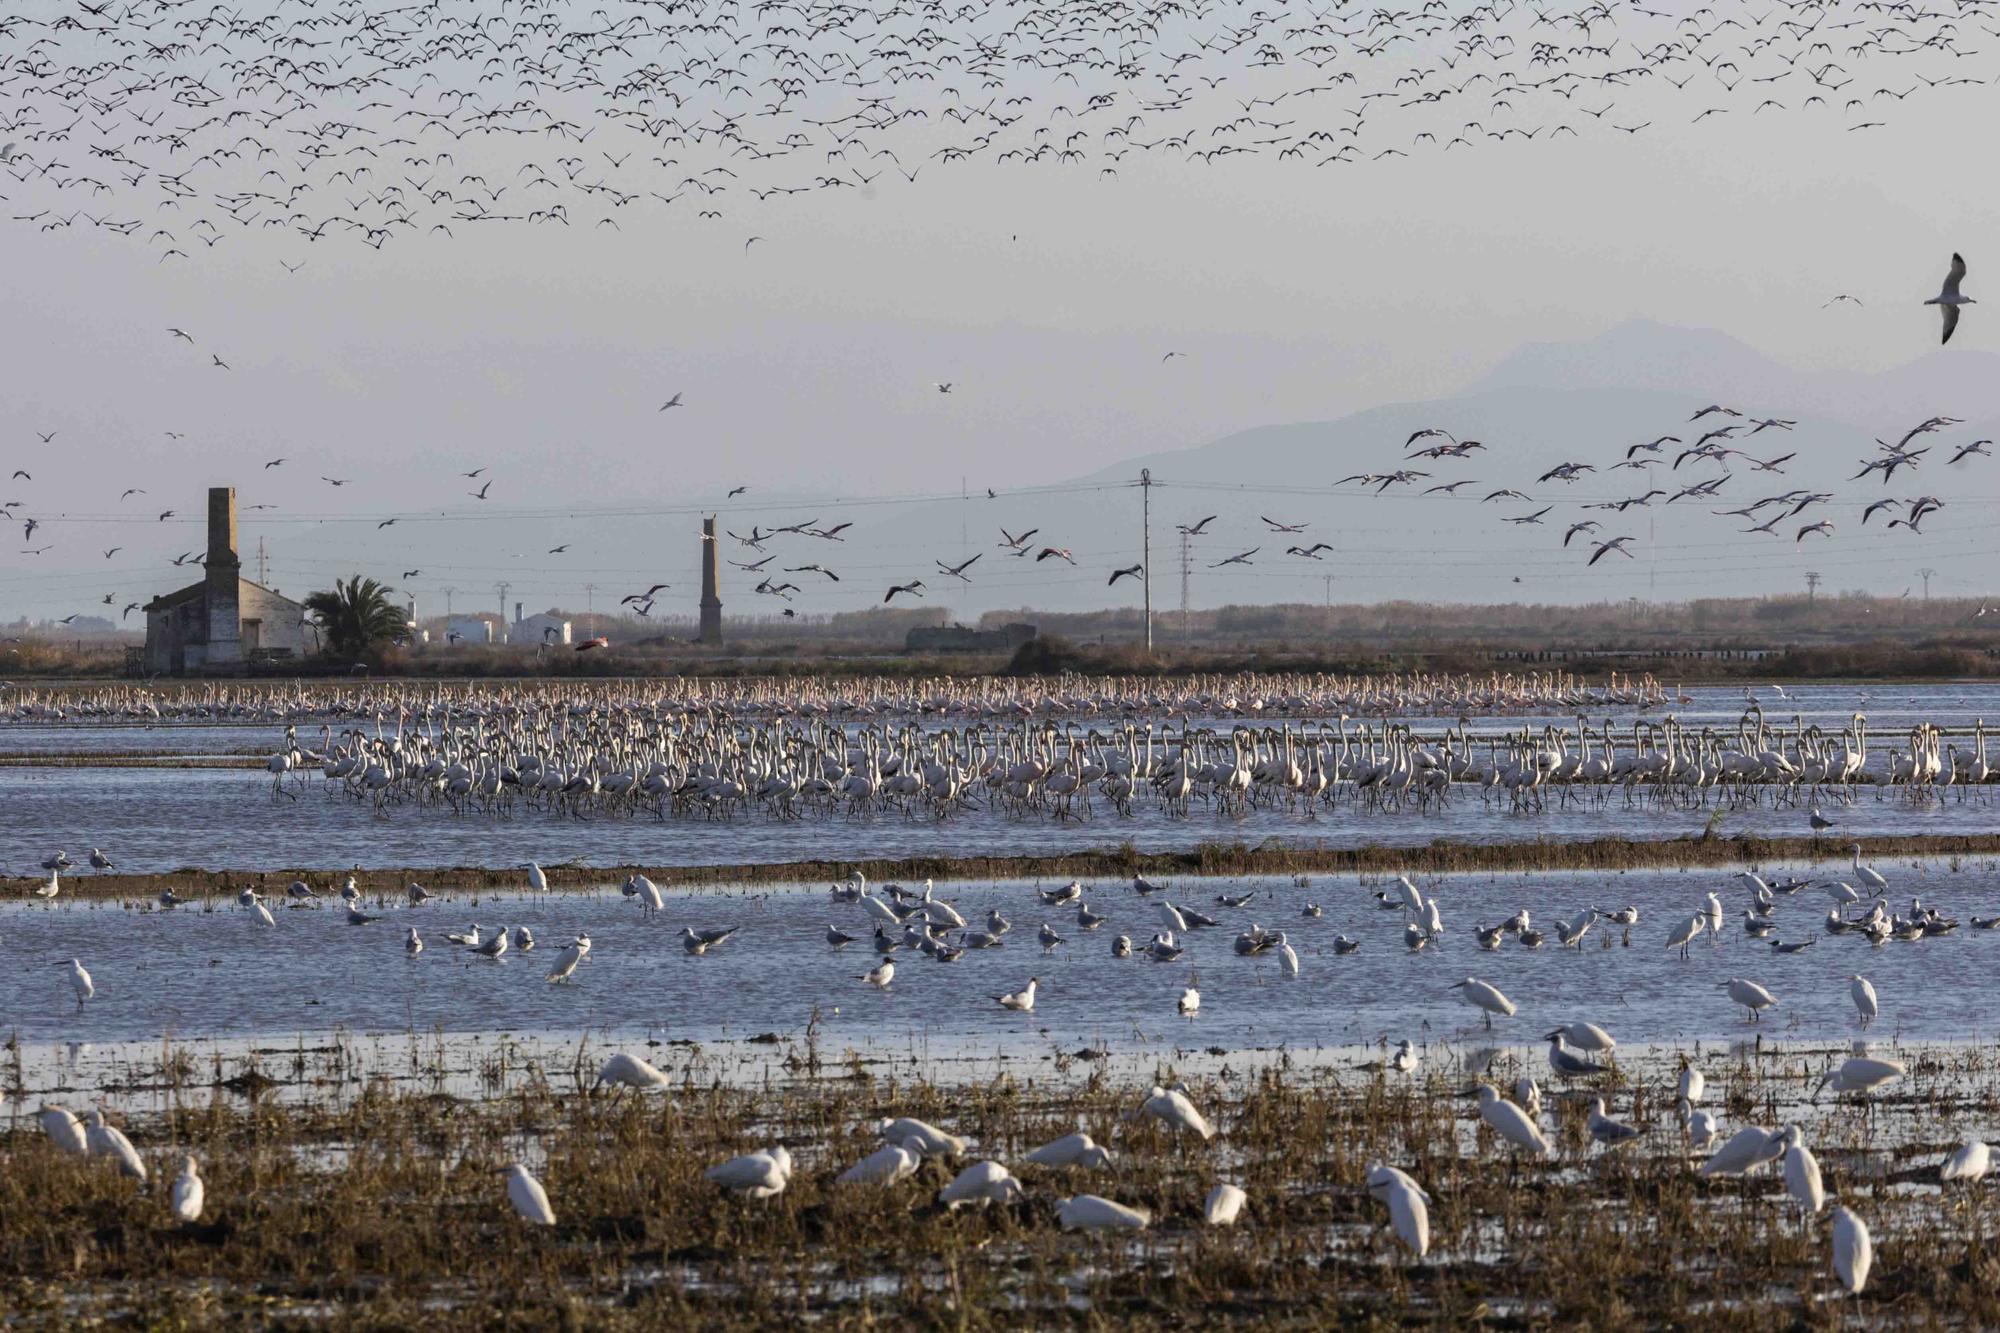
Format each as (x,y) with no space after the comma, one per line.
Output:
(339,1199)
(1215,859)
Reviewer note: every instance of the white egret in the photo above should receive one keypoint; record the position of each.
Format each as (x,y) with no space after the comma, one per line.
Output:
(1863,994)
(1750,995)
(651,900)
(1853,1250)
(630,1071)
(1693,1082)
(1588,1037)
(1802,1180)
(188,1192)
(1861,1074)
(981,1183)
(1700,1126)
(1077,1149)
(885,1166)
(1021,1000)
(1288,958)
(530,1200)
(1510,1122)
(1867,874)
(105,1140)
(1089,1212)
(1409,1211)
(1683,934)
(1172,1108)
(1747,1150)
(538,880)
(64,1130)
(1224,1205)
(567,960)
(1714,914)
(1483,997)
(758,1175)
(79,980)
(1970,1163)
(264,916)
(924,1139)
(1528,1096)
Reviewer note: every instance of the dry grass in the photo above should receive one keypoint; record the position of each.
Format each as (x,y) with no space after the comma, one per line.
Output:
(1441,856)
(339,1205)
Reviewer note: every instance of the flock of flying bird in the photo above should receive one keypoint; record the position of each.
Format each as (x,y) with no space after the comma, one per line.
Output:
(187,127)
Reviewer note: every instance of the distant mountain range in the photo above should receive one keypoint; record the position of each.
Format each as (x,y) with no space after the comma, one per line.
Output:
(1546,404)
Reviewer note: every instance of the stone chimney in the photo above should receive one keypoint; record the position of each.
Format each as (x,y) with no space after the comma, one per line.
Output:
(711,595)
(225,625)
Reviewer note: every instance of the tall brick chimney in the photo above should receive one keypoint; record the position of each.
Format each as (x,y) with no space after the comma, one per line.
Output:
(225,624)
(711,595)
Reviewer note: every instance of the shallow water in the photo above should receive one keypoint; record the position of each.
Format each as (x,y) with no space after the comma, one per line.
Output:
(190,972)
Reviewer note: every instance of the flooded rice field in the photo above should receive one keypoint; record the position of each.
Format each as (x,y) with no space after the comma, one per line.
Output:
(744,1105)
(210,967)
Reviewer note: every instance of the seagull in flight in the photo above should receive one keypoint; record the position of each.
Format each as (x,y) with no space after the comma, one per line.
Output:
(1948,300)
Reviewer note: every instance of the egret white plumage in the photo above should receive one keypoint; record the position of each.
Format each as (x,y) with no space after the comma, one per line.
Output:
(1801,1168)
(1863,994)
(980,1184)
(79,981)
(530,1200)
(1867,874)
(64,1130)
(1853,1250)
(567,960)
(1683,935)
(1970,1163)
(106,1140)
(1750,995)
(538,879)
(1223,1205)
(885,1166)
(758,1175)
(630,1071)
(1173,1108)
(1409,1211)
(188,1192)
(922,1138)
(1089,1212)
(1861,1074)
(1748,1149)
(1077,1149)
(1510,1122)
(1484,998)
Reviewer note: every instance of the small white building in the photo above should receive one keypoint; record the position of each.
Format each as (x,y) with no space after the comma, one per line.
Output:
(225,624)
(538,628)
(468,629)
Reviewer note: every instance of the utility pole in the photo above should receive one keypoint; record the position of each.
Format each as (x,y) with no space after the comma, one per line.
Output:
(1187,564)
(1329,590)
(1146,546)
(447,602)
(260,563)
(1812,586)
(590,608)
(1925,575)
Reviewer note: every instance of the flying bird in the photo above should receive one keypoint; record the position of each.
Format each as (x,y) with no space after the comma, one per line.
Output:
(1948,300)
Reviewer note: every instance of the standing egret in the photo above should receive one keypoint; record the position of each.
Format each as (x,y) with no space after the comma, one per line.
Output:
(758,1175)
(1588,1037)
(1750,995)
(1749,1149)
(1700,1126)
(885,1166)
(926,1140)
(630,1071)
(1224,1204)
(1861,1074)
(1483,997)
(538,880)
(1853,1250)
(1970,1163)
(1510,1122)
(64,1130)
(1077,1149)
(188,1192)
(1714,915)
(105,1140)
(1802,1180)
(1693,1082)
(567,960)
(1863,994)
(1409,1212)
(80,981)
(264,916)
(530,1200)
(1088,1212)
(1867,874)
(1684,933)
(1172,1108)
(981,1183)
(1288,958)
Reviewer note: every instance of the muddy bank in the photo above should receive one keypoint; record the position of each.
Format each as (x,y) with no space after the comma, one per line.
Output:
(1443,856)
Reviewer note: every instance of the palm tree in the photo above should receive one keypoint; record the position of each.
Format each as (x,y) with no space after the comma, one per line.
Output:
(356,616)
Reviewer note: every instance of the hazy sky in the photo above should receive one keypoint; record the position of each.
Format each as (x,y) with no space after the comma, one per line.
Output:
(1045,295)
